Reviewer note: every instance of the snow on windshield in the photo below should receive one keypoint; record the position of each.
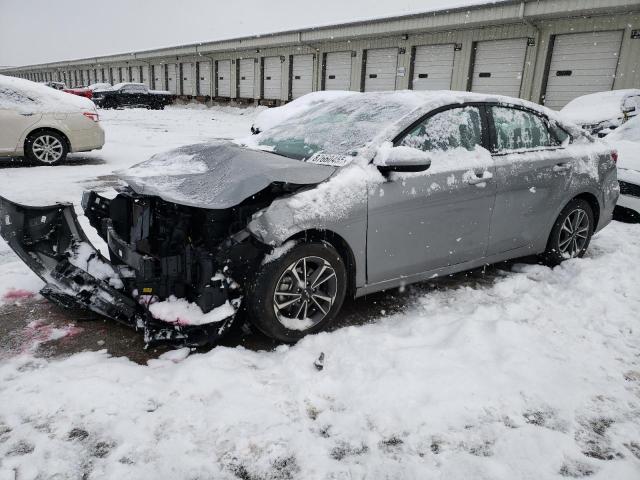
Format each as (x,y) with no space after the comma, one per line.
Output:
(30,97)
(341,127)
(274,116)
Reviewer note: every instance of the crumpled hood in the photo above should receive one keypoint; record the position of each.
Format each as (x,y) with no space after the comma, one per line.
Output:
(217,175)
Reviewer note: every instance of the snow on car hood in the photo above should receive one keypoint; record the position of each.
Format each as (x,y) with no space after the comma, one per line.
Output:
(217,175)
(596,107)
(626,140)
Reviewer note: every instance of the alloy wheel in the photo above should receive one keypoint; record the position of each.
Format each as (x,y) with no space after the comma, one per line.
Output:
(574,233)
(47,149)
(305,293)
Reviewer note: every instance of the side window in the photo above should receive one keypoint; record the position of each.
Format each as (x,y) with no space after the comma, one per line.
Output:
(520,130)
(454,128)
(12,99)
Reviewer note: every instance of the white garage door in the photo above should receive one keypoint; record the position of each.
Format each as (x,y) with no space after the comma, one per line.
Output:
(247,77)
(581,63)
(135,74)
(145,75)
(204,78)
(433,67)
(224,78)
(272,78)
(381,68)
(188,84)
(301,75)
(498,66)
(158,77)
(337,71)
(172,78)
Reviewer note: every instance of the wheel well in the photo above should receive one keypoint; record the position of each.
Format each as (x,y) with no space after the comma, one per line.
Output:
(593,203)
(47,129)
(343,248)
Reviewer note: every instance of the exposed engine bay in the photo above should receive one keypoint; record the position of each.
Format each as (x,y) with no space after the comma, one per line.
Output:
(158,250)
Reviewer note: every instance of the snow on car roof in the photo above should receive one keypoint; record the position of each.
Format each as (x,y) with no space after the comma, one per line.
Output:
(118,86)
(597,107)
(374,117)
(25,95)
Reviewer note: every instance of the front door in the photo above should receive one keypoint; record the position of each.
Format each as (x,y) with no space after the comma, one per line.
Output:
(418,222)
(533,170)
(17,114)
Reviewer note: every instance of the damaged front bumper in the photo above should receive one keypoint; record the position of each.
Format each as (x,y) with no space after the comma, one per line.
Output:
(52,243)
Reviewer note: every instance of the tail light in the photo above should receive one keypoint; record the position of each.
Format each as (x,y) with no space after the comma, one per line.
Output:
(614,156)
(91,116)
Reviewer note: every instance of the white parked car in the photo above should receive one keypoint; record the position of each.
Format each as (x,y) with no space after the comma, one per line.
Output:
(626,140)
(45,124)
(600,113)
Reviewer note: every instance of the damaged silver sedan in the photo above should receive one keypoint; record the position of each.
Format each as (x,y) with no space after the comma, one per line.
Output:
(365,193)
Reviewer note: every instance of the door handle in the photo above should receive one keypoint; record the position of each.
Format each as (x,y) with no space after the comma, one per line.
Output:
(26,114)
(562,167)
(481,180)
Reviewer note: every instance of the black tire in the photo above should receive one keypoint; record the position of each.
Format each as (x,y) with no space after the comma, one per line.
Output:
(261,300)
(46,147)
(563,243)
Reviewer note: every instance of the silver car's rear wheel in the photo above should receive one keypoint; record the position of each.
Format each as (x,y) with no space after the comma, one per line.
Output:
(571,232)
(46,148)
(574,233)
(305,293)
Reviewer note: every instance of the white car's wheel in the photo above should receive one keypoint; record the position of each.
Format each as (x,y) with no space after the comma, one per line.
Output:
(46,148)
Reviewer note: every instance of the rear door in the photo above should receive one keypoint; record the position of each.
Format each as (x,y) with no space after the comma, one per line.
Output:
(381,69)
(420,222)
(498,66)
(533,170)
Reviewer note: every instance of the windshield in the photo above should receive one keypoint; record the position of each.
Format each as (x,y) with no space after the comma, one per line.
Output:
(338,129)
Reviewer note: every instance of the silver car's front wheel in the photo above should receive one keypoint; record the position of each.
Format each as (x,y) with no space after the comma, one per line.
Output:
(305,293)
(46,148)
(298,293)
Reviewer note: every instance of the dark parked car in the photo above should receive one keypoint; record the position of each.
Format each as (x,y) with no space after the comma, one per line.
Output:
(362,194)
(131,95)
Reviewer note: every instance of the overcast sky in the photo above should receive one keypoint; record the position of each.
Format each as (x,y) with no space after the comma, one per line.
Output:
(38,31)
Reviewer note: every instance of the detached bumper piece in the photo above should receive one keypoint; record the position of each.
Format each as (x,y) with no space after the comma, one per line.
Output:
(49,239)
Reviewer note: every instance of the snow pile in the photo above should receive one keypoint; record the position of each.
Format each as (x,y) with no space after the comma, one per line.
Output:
(528,373)
(337,197)
(182,312)
(275,116)
(85,257)
(596,107)
(626,140)
(30,97)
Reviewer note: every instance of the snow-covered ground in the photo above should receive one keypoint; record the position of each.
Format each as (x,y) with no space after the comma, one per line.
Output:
(534,374)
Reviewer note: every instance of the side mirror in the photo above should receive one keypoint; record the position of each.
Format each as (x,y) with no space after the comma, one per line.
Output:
(401,159)
(628,106)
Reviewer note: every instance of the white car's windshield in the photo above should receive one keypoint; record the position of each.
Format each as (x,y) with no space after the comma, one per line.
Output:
(339,128)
